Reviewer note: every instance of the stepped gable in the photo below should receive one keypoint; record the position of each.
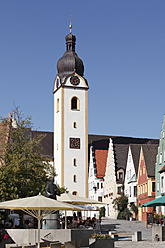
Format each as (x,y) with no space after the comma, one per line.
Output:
(47,143)
(150,153)
(135,149)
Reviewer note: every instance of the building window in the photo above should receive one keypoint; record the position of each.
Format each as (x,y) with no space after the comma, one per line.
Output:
(160,160)
(135,191)
(162,182)
(153,186)
(74,124)
(143,170)
(119,190)
(75,162)
(140,172)
(74,193)
(146,187)
(57,109)
(57,146)
(101,185)
(100,198)
(138,190)
(129,191)
(158,186)
(75,103)
(75,179)
(120,175)
(97,185)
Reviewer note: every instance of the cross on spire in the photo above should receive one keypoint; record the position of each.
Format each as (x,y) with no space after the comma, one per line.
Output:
(70,25)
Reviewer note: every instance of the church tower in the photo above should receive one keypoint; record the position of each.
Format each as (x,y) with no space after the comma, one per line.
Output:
(71,121)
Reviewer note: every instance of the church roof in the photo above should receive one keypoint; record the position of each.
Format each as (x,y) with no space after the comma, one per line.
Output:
(101,160)
(70,62)
(46,143)
(120,139)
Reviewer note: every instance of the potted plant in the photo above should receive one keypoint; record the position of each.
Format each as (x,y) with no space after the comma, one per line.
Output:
(102,240)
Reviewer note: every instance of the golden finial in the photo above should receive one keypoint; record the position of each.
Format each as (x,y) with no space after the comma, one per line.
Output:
(70,25)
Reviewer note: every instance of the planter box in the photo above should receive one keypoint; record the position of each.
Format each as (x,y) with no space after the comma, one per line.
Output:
(102,243)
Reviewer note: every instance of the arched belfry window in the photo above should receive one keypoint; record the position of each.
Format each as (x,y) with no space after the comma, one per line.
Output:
(75,103)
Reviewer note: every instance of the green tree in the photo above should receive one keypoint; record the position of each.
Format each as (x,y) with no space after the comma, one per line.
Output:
(24,171)
(63,190)
(120,203)
(134,209)
(102,212)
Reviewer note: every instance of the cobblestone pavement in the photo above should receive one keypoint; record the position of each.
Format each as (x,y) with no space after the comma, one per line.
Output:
(129,227)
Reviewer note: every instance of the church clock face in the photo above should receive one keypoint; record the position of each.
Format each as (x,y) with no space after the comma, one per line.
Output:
(75,143)
(74,80)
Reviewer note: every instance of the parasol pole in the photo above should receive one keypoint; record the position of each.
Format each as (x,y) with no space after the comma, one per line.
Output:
(39,217)
(65,220)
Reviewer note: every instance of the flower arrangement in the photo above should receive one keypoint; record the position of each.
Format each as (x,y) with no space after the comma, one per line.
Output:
(100,236)
(159,218)
(158,215)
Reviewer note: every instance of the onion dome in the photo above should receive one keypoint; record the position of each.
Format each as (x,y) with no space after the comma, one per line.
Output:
(70,62)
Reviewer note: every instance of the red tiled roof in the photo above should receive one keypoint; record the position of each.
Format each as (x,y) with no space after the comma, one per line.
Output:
(101,159)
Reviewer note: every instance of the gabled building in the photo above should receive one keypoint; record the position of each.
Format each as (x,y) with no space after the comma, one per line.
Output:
(98,150)
(160,168)
(130,183)
(146,179)
(97,165)
(114,176)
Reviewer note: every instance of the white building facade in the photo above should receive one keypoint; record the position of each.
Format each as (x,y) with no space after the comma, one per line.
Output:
(130,183)
(110,185)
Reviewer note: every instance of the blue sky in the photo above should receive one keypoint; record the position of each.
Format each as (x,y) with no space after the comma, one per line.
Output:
(122,45)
